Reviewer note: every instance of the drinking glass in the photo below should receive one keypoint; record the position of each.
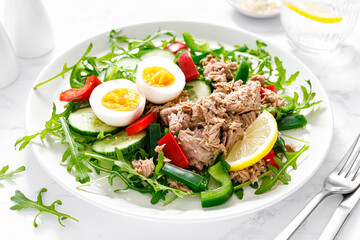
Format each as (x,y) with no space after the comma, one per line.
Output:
(318,25)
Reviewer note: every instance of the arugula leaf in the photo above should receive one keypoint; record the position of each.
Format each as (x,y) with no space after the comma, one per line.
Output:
(9,175)
(239,193)
(24,202)
(133,43)
(281,173)
(308,96)
(282,82)
(159,165)
(76,158)
(52,126)
(126,167)
(260,44)
(66,68)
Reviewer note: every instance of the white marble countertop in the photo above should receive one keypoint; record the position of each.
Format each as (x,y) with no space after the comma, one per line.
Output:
(74,21)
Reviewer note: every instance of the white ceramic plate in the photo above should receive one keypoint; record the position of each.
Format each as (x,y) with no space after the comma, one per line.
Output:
(134,204)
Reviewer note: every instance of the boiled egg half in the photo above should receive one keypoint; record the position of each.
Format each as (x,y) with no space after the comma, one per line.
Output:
(117,102)
(159,79)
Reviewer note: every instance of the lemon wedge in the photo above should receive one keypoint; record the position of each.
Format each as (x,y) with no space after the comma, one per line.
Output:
(259,139)
(315,11)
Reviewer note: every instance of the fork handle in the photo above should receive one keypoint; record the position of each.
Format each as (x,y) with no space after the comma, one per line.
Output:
(302,215)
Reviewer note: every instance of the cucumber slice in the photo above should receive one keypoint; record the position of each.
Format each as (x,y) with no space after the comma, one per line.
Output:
(197,89)
(126,144)
(84,121)
(128,62)
(158,53)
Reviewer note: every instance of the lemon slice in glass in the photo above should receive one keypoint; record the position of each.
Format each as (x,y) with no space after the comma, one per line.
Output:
(259,139)
(314,11)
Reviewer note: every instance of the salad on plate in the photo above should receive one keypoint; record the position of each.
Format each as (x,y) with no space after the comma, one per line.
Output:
(172,118)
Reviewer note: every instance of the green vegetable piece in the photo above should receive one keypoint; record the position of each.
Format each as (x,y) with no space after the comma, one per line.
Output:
(193,45)
(239,193)
(24,202)
(190,179)
(289,104)
(83,69)
(154,137)
(291,122)
(243,72)
(66,68)
(74,155)
(281,173)
(282,82)
(159,165)
(218,196)
(198,58)
(10,175)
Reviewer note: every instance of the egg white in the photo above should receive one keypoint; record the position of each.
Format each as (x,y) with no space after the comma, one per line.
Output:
(112,117)
(160,95)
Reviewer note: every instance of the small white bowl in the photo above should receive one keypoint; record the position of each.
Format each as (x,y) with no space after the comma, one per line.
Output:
(236,5)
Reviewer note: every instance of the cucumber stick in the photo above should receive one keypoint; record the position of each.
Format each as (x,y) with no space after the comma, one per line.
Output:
(197,89)
(128,62)
(158,53)
(126,144)
(84,121)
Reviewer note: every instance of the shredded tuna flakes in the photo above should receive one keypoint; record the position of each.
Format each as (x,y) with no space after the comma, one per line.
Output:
(290,147)
(251,173)
(218,120)
(144,167)
(178,185)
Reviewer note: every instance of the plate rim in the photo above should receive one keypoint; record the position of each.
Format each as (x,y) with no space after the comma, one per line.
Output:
(173,218)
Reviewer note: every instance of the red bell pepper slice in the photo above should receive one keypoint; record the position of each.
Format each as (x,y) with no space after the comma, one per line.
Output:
(174,47)
(173,151)
(271,88)
(80,94)
(188,66)
(269,158)
(140,124)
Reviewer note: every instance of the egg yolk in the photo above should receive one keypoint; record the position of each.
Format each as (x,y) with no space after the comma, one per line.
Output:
(158,77)
(121,99)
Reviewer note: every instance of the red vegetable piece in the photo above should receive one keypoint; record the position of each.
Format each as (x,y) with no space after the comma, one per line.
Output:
(271,88)
(187,66)
(269,158)
(80,94)
(174,47)
(141,124)
(173,151)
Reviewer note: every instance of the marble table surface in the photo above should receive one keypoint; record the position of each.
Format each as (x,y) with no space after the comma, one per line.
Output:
(74,21)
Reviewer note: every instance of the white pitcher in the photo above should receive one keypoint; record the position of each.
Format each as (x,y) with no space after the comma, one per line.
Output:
(9,68)
(28,27)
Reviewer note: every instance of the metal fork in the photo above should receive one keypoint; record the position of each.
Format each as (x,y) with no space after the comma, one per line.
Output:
(342,180)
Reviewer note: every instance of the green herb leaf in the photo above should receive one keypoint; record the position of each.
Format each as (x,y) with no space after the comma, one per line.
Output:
(73,154)
(24,202)
(126,167)
(308,96)
(239,193)
(282,81)
(159,165)
(52,126)
(65,68)
(10,175)
(281,173)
